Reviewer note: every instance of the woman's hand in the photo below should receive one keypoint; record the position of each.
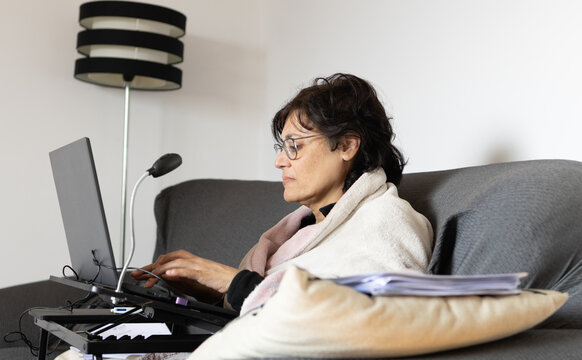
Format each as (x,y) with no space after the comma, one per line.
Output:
(205,279)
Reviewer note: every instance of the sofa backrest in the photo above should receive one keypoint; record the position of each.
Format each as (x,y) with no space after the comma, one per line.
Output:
(511,217)
(217,219)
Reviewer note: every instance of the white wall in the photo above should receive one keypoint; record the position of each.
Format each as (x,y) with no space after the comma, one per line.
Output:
(468,83)
(44,107)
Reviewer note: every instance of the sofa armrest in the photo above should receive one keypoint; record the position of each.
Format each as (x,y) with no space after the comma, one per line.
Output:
(17,299)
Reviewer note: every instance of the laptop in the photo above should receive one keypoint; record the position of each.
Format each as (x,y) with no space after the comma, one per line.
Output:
(88,241)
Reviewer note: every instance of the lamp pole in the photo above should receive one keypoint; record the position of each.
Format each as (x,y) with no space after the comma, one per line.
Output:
(124,172)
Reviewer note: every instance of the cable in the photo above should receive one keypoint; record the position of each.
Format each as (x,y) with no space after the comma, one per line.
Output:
(136,268)
(150,273)
(70,268)
(168,288)
(21,336)
(98,263)
(75,304)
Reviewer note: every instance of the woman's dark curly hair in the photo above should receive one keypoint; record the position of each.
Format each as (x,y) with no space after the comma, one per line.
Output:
(345,104)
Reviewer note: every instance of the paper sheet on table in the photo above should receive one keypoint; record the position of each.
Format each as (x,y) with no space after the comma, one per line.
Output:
(411,283)
(136,329)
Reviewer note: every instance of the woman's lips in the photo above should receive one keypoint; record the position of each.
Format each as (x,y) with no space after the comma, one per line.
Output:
(287,179)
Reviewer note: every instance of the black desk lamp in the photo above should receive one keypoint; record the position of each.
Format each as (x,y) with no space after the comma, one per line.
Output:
(129,45)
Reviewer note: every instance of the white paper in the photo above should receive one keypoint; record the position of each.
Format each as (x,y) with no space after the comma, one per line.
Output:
(132,330)
(135,329)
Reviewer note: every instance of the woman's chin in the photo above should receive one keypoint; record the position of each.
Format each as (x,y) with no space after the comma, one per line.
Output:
(287,198)
(290,196)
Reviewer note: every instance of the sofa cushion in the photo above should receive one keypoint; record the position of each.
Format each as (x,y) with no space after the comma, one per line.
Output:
(505,218)
(307,318)
(535,344)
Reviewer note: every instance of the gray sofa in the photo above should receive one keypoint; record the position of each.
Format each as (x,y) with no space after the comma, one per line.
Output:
(510,217)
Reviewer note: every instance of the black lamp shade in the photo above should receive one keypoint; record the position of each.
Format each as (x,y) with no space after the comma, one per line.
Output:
(141,75)
(130,43)
(173,21)
(168,49)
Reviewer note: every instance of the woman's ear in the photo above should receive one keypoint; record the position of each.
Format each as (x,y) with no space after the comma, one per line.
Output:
(349,145)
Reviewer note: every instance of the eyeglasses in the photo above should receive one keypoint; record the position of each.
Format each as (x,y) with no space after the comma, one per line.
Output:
(290,146)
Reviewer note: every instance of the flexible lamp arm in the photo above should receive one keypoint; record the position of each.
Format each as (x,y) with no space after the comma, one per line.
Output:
(131,231)
(162,166)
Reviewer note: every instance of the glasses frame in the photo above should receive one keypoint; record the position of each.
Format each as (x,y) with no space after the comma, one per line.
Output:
(292,153)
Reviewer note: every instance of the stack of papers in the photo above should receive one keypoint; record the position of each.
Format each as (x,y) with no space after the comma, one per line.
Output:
(411,283)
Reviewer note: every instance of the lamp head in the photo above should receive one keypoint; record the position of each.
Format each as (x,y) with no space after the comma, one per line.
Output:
(165,164)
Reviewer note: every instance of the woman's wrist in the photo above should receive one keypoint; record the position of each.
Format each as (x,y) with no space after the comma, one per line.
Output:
(227,276)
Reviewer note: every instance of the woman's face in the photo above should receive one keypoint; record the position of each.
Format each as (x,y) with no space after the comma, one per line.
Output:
(316,177)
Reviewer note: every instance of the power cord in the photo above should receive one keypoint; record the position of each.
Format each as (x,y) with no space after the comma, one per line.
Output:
(21,336)
(15,336)
(70,268)
(99,264)
(168,287)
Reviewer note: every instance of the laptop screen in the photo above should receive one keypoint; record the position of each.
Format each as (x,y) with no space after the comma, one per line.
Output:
(83,214)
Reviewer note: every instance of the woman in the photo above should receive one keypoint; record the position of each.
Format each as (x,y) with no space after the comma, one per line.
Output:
(337,160)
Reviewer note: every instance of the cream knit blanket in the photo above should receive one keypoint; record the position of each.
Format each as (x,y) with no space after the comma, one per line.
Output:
(370,229)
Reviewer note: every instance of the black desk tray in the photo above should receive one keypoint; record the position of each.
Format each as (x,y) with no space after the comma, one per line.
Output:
(198,310)
(57,323)
(190,325)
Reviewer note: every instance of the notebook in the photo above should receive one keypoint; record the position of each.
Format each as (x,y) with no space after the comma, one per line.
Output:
(84,220)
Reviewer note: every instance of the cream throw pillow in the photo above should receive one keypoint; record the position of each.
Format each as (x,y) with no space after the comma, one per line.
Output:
(308,318)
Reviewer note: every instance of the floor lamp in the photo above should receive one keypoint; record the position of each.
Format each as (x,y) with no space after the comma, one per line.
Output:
(129,45)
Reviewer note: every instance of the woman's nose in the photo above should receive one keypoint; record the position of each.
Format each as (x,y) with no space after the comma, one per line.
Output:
(281,160)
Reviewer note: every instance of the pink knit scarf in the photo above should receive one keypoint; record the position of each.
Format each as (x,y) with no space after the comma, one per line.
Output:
(277,245)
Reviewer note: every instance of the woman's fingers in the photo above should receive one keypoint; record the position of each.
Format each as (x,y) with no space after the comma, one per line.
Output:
(174,255)
(150,282)
(158,266)
(188,270)
(206,272)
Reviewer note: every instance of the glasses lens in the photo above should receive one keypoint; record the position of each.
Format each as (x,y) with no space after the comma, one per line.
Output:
(278,148)
(290,149)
